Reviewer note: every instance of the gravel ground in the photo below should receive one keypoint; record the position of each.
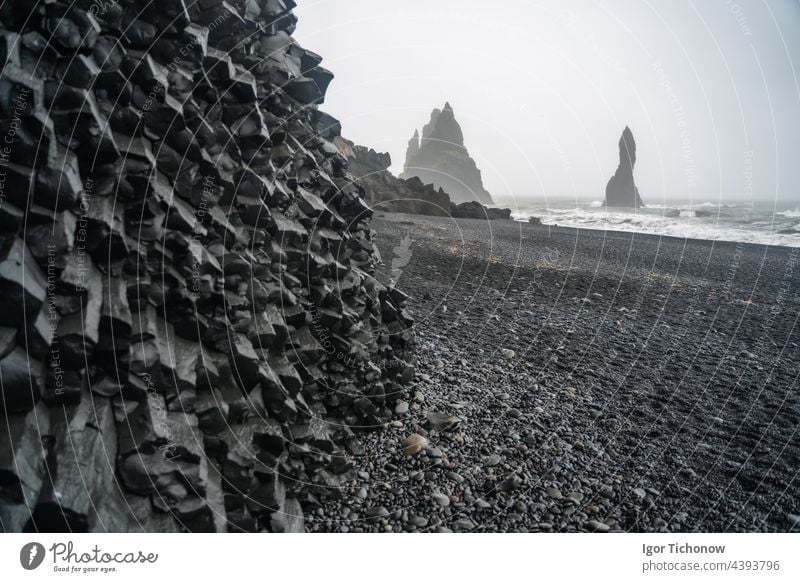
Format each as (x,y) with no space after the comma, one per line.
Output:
(585,381)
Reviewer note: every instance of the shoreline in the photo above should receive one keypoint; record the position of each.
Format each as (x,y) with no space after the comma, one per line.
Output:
(669,236)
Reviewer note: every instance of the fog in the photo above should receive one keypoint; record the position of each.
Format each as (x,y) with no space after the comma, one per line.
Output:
(543,90)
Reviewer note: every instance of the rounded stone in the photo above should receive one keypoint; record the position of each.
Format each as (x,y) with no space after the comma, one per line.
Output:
(414,443)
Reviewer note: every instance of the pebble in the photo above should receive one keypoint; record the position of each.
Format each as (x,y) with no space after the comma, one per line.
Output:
(414,443)
(507,354)
(553,493)
(492,460)
(640,493)
(441,499)
(597,526)
(401,408)
(377,512)
(418,521)
(455,477)
(575,497)
(511,483)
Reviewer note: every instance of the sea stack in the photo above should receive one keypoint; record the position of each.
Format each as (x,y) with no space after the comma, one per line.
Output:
(621,190)
(440,158)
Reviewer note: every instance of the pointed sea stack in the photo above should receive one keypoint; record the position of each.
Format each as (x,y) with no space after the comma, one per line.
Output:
(440,158)
(621,190)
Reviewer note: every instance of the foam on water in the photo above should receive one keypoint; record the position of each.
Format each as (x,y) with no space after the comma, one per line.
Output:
(708,221)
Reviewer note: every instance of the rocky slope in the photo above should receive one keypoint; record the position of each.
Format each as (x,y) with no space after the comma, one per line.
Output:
(384,191)
(621,189)
(191,324)
(440,158)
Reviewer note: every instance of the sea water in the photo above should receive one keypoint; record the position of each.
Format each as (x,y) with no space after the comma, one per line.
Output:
(770,223)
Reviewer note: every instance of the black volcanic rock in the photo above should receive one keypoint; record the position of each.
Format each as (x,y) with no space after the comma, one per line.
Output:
(478,210)
(190,310)
(384,191)
(621,190)
(440,158)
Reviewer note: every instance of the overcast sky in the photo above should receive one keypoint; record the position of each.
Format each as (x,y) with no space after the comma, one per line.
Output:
(543,89)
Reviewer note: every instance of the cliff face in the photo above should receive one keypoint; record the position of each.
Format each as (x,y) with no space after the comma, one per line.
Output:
(440,158)
(621,189)
(190,319)
(384,191)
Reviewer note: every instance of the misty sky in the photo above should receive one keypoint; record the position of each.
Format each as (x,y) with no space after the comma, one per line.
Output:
(543,89)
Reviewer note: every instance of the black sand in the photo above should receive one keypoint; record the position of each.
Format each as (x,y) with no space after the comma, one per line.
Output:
(653,385)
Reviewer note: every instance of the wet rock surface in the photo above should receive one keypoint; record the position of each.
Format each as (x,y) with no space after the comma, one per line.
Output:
(652,385)
(192,333)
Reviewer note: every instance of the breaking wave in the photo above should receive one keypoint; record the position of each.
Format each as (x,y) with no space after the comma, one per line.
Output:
(708,221)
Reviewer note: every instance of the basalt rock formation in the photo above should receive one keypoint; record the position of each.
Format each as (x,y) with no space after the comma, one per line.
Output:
(384,191)
(440,158)
(478,210)
(621,190)
(190,319)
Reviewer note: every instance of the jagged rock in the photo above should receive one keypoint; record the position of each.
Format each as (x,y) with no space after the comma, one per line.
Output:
(22,465)
(386,192)
(621,189)
(176,213)
(22,284)
(21,381)
(82,436)
(440,158)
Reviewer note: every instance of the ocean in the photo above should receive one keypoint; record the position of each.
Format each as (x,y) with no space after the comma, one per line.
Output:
(769,223)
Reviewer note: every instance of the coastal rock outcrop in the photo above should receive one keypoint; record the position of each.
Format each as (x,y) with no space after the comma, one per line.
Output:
(621,190)
(191,321)
(478,210)
(384,191)
(440,158)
